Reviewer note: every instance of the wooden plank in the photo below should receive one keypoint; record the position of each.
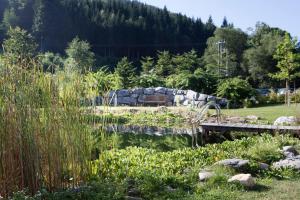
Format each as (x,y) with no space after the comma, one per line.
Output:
(245,127)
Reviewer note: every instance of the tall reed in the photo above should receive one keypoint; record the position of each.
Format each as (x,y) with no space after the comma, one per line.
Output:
(44,141)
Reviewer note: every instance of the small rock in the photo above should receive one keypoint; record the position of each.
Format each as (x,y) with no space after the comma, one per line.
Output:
(252,118)
(205,175)
(244,179)
(263,166)
(234,163)
(286,120)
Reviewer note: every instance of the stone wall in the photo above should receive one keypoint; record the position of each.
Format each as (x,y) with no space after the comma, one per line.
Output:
(137,96)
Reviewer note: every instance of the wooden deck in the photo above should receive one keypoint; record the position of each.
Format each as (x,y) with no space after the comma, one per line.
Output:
(215,127)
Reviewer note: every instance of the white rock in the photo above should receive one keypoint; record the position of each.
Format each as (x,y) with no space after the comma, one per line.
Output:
(284,120)
(192,95)
(205,175)
(244,179)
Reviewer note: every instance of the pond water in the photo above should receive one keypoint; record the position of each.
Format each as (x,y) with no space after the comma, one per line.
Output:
(159,138)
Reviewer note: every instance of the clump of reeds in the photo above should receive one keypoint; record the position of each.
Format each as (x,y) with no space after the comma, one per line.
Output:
(44,141)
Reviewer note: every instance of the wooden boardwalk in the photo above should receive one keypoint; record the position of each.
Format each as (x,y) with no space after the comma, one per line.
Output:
(215,127)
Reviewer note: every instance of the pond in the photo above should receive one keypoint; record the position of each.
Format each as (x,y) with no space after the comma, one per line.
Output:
(121,136)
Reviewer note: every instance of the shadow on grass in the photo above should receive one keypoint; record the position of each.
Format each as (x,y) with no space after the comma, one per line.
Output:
(259,188)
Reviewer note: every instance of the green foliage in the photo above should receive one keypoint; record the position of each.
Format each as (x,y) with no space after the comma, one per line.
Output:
(235,90)
(230,63)
(127,72)
(287,63)
(10,19)
(19,47)
(149,80)
(147,64)
(164,66)
(80,56)
(101,82)
(258,59)
(265,151)
(51,62)
(150,169)
(188,61)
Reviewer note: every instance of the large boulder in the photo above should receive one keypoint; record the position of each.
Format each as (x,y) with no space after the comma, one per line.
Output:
(141,99)
(138,91)
(234,163)
(244,179)
(284,120)
(202,97)
(123,93)
(293,163)
(192,95)
(289,151)
(171,92)
(160,90)
(211,98)
(149,91)
(127,100)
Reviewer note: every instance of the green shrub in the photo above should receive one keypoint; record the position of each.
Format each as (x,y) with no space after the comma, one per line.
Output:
(235,90)
(264,151)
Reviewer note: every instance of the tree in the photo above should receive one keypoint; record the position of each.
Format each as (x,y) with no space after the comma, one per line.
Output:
(10,19)
(127,72)
(287,63)
(80,54)
(226,61)
(224,23)
(258,60)
(20,46)
(187,61)
(147,64)
(164,66)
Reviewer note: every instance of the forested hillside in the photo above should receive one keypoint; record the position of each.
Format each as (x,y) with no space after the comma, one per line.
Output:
(114,28)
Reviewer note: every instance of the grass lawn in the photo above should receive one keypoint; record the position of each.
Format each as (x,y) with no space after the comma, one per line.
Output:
(274,190)
(268,113)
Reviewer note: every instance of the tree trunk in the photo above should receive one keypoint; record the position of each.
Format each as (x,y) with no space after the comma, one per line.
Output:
(287,92)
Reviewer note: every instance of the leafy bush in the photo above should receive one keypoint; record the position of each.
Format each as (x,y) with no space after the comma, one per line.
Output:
(235,90)
(154,170)
(265,152)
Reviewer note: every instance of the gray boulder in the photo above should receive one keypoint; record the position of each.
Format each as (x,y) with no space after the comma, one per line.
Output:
(211,98)
(123,93)
(284,120)
(160,90)
(137,91)
(293,163)
(202,97)
(186,102)
(149,91)
(141,99)
(263,166)
(192,95)
(127,100)
(180,92)
(171,92)
(234,163)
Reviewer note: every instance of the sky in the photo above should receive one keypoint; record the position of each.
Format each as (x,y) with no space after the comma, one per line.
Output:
(284,14)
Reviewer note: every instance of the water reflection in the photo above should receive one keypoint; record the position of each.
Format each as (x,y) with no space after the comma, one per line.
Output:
(160,134)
